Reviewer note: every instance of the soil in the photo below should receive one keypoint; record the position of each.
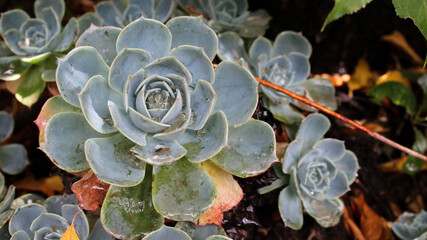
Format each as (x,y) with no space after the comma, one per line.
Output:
(335,50)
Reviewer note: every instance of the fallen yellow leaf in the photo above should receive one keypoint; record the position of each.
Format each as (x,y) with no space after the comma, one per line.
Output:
(48,185)
(393,76)
(362,77)
(71,234)
(228,195)
(396,165)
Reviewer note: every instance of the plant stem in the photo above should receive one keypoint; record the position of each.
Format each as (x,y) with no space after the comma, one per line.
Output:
(336,115)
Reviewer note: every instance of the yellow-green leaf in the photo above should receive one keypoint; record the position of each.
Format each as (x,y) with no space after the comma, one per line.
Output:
(343,7)
(71,234)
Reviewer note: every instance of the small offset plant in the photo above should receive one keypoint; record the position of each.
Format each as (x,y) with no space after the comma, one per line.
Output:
(119,13)
(34,44)
(13,157)
(318,170)
(229,15)
(143,107)
(188,231)
(411,226)
(284,63)
(51,220)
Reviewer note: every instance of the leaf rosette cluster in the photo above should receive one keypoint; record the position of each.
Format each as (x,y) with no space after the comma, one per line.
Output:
(230,15)
(411,226)
(34,44)
(284,62)
(320,170)
(51,220)
(148,95)
(119,13)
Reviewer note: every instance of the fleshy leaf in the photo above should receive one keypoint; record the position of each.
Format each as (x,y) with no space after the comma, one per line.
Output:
(88,19)
(51,107)
(342,8)
(228,195)
(235,85)
(291,42)
(93,101)
(348,164)
(196,190)
(290,206)
(259,47)
(109,14)
(167,233)
(133,206)
(57,6)
(102,39)
(67,36)
(98,232)
(251,149)
(232,47)
(112,161)
(127,62)
(30,87)
(208,141)
(332,149)
(13,158)
(7,124)
(146,34)
(75,69)
(54,203)
(327,212)
(166,66)
(192,31)
(338,186)
(12,19)
(203,100)
(64,140)
(321,91)
(23,218)
(159,152)
(20,235)
(284,112)
(199,232)
(71,234)
(50,220)
(7,201)
(312,130)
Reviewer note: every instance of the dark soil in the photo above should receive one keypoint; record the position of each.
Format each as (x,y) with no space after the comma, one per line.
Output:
(336,50)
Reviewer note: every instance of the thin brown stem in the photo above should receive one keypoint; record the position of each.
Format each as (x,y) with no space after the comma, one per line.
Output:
(336,115)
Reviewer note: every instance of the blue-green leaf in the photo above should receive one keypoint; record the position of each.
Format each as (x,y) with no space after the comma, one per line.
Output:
(167,233)
(13,158)
(57,5)
(6,125)
(158,152)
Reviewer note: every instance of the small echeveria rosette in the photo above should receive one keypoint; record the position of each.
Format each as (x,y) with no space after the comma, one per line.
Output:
(188,231)
(320,170)
(51,220)
(285,63)
(34,44)
(119,13)
(142,107)
(13,156)
(411,226)
(230,15)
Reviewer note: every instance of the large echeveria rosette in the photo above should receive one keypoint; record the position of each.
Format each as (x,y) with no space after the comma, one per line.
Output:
(320,170)
(411,226)
(230,15)
(34,44)
(149,94)
(284,62)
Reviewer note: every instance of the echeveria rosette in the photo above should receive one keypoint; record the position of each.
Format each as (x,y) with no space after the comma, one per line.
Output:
(411,226)
(34,44)
(51,220)
(149,95)
(284,63)
(183,232)
(13,156)
(320,170)
(231,15)
(119,13)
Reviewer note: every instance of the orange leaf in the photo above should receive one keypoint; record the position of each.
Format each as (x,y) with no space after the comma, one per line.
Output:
(90,191)
(48,185)
(228,195)
(393,76)
(361,78)
(396,165)
(71,234)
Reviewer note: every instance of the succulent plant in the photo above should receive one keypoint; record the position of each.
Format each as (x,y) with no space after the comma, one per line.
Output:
(119,13)
(284,63)
(52,219)
(230,15)
(6,211)
(198,233)
(320,171)
(34,44)
(411,226)
(13,157)
(149,95)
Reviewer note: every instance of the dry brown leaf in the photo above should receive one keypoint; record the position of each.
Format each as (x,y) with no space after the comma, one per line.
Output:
(90,191)
(228,195)
(48,185)
(71,234)
(361,78)
(396,165)
(373,226)
(399,40)
(352,229)
(375,127)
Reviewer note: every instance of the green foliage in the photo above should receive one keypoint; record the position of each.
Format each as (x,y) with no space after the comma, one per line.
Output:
(415,10)
(230,15)
(283,62)
(34,44)
(149,95)
(399,93)
(343,7)
(319,171)
(411,226)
